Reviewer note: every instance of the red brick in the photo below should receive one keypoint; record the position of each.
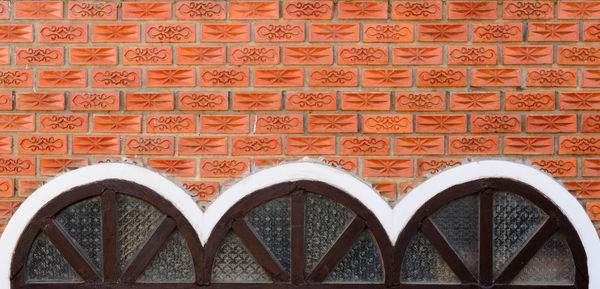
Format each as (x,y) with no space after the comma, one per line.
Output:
(528,145)
(565,31)
(495,123)
(6,100)
(557,167)
(590,78)
(8,208)
(578,10)
(91,10)
(54,166)
(327,77)
(593,209)
(35,55)
(579,145)
(527,54)
(196,145)
(514,10)
(432,166)
(279,32)
(17,122)
(145,101)
(171,123)
(364,146)
(152,55)
(442,32)
(580,100)
(16,78)
(201,191)
(309,145)
(473,55)
(441,77)
(115,123)
(224,168)
(22,166)
(399,168)
(253,55)
(441,123)
(14,33)
(387,123)
(307,55)
(386,78)
(578,55)
(332,123)
(224,124)
(495,77)
(42,144)
(40,101)
(38,10)
(177,167)
(348,164)
(4,9)
(93,55)
(591,31)
(258,10)
(421,145)
(551,123)
(278,77)
(203,55)
(256,100)
(63,122)
(28,186)
(238,32)
(4,54)
(366,101)
(149,145)
(584,189)
(146,10)
(200,10)
(417,55)
(388,32)
(94,101)
(311,100)
(334,32)
(465,101)
(97,144)
(177,77)
(529,100)
(386,189)
(497,32)
(420,101)
(224,77)
(308,10)
(170,33)
(62,33)
(116,77)
(7,187)
(552,77)
(362,55)
(590,167)
(472,10)
(255,145)
(279,123)
(590,123)
(362,10)
(116,33)
(52,78)
(473,145)
(6,144)
(213,100)
(417,10)
(406,187)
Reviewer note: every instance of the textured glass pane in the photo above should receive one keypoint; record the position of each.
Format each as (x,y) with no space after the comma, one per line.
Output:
(136,220)
(515,221)
(46,264)
(83,223)
(271,223)
(423,264)
(172,264)
(458,221)
(324,222)
(233,263)
(552,264)
(362,263)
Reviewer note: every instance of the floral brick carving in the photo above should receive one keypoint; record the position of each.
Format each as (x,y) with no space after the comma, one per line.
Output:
(590,123)
(558,167)
(176,123)
(72,33)
(527,10)
(288,123)
(417,10)
(202,191)
(387,123)
(256,145)
(171,32)
(311,100)
(279,32)
(495,123)
(105,78)
(253,55)
(17,166)
(174,166)
(332,77)
(388,32)
(223,168)
(420,101)
(202,100)
(497,32)
(432,166)
(473,145)
(63,122)
(578,55)
(579,145)
(33,55)
(94,101)
(364,146)
(441,77)
(91,10)
(308,10)
(149,145)
(16,78)
(42,144)
(151,55)
(529,101)
(200,10)
(227,77)
(473,55)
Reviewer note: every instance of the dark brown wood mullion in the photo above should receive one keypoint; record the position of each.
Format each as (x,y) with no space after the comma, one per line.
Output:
(486,237)
(258,250)
(527,252)
(149,250)
(337,251)
(109,236)
(446,252)
(297,235)
(70,252)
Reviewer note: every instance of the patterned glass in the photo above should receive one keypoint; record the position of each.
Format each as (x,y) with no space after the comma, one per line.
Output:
(515,221)
(233,263)
(46,264)
(173,263)
(271,223)
(553,265)
(82,222)
(423,264)
(362,263)
(136,220)
(458,221)
(324,222)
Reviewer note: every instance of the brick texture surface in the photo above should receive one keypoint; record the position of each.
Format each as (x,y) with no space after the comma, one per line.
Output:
(206,91)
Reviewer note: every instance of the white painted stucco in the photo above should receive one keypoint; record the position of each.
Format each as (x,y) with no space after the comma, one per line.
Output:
(393,220)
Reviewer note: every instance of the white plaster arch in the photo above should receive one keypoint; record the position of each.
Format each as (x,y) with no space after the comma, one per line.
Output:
(62,183)
(543,182)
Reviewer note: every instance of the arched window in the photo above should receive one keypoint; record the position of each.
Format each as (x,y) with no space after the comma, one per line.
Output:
(108,232)
(488,233)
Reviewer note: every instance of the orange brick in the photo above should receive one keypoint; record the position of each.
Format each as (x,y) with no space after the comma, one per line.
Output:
(473,55)
(551,123)
(307,55)
(94,101)
(495,123)
(40,101)
(62,33)
(386,78)
(177,167)
(332,123)
(483,100)
(565,31)
(417,55)
(93,55)
(256,101)
(528,145)
(366,101)
(578,10)
(238,32)
(552,77)
(35,55)
(362,55)
(149,101)
(388,167)
(7,187)
(63,122)
(578,145)
(386,189)
(472,10)
(441,77)
(200,10)
(441,123)
(170,123)
(334,32)
(149,145)
(308,10)
(253,55)
(580,100)
(442,32)
(590,123)
(578,55)
(417,10)
(420,101)
(18,122)
(23,166)
(16,33)
(224,77)
(387,123)
(362,10)
(497,32)
(16,78)
(363,146)
(584,189)
(255,145)
(279,77)
(146,10)
(279,32)
(115,123)
(213,100)
(311,100)
(116,33)
(327,77)
(590,167)
(203,55)
(529,100)
(591,31)
(196,145)
(557,167)
(91,10)
(178,77)
(279,123)
(152,55)
(473,145)
(388,32)
(310,145)
(6,144)
(422,145)
(590,78)
(42,144)
(38,10)
(495,77)
(432,166)
(96,144)
(527,54)
(224,123)
(224,168)
(263,10)
(171,33)
(527,10)
(593,209)
(116,77)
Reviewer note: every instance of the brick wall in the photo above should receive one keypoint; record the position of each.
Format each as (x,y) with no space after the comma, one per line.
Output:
(205,91)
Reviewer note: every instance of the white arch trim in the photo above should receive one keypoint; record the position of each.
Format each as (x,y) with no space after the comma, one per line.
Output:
(393,220)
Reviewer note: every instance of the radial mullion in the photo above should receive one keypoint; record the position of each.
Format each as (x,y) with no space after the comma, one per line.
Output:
(337,250)
(527,252)
(109,236)
(149,250)
(446,252)
(70,252)
(486,237)
(258,250)
(297,235)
